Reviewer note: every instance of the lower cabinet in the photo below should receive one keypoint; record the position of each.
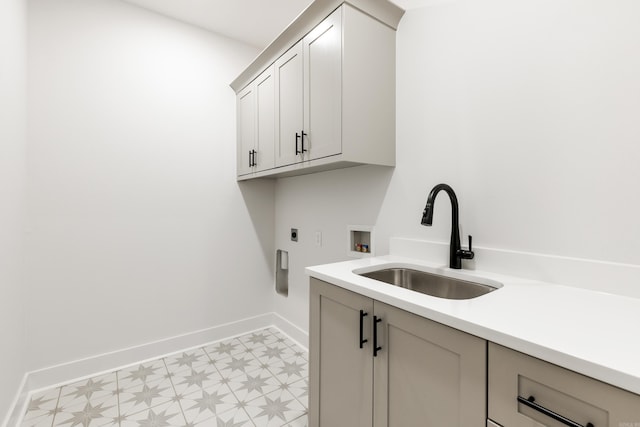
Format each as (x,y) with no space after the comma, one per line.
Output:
(529,392)
(340,372)
(372,364)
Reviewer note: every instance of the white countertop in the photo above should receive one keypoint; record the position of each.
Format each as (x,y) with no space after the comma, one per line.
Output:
(593,333)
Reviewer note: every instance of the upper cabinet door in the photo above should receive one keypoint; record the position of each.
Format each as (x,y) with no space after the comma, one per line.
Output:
(289,114)
(246,107)
(264,157)
(323,88)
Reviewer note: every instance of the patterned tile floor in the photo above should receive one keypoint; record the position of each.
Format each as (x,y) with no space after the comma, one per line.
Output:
(259,379)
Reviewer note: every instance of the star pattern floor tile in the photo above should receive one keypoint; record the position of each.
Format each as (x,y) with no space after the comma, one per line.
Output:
(256,380)
(275,409)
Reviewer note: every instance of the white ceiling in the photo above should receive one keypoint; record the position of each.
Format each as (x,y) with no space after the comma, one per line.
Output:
(256,22)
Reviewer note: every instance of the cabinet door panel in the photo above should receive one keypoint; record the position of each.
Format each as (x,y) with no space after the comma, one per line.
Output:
(246,128)
(323,88)
(427,374)
(265,121)
(289,114)
(340,372)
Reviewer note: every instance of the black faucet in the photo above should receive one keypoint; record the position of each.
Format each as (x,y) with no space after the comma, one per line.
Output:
(456,253)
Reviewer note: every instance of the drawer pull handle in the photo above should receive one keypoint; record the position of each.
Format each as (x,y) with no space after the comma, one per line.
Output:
(376,347)
(362,315)
(531,403)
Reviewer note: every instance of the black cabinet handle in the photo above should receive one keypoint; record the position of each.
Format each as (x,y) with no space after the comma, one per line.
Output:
(297,138)
(302,141)
(531,403)
(362,316)
(254,158)
(250,158)
(376,348)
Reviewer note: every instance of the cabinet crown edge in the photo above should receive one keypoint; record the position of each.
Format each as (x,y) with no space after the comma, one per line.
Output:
(382,10)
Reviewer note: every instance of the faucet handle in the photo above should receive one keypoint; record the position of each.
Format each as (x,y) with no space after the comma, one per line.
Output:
(467,253)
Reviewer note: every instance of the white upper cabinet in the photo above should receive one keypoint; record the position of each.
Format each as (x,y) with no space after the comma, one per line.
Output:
(256,125)
(289,89)
(323,89)
(246,129)
(264,158)
(333,99)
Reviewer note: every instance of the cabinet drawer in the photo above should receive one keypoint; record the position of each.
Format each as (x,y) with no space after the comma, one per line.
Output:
(579,399)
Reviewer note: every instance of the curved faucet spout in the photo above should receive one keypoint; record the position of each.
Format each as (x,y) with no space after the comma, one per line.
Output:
(427,215)
(456,253)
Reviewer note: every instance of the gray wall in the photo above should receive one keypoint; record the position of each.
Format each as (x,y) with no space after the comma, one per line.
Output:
(12,181)
(139,229)
(528,109)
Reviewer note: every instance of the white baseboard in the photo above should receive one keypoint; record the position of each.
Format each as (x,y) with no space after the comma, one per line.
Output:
(596,275)
(108,362)
(297,334)
(19,405)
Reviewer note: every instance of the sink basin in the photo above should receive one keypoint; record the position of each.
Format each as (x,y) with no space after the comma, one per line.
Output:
(428,283)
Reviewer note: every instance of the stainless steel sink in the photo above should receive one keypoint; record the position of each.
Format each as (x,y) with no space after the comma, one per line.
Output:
(430,284)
